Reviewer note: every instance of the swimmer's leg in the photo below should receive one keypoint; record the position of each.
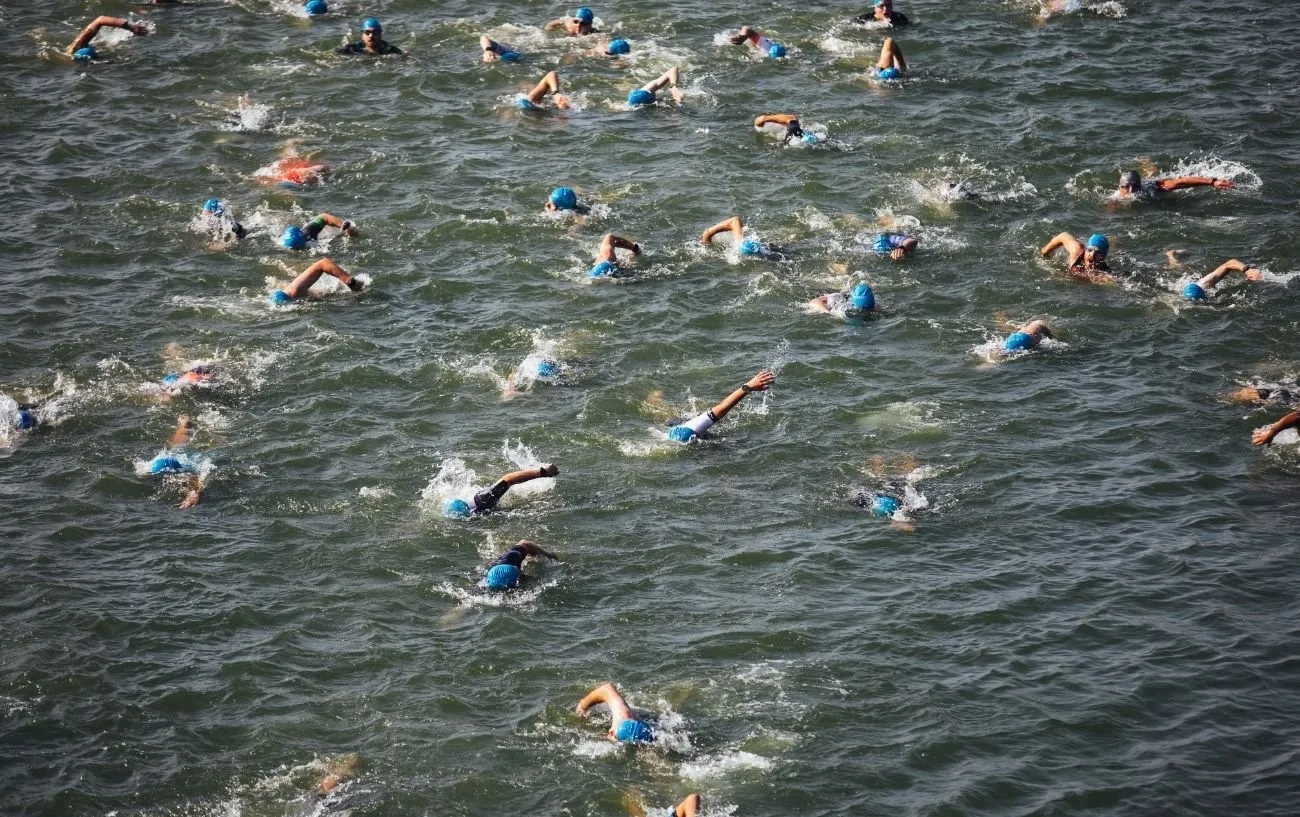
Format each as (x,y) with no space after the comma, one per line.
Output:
(550,84)
(733,225)
(299,286)
(891,56)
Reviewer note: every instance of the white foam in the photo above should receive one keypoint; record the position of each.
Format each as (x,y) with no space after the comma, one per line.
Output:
(724,764)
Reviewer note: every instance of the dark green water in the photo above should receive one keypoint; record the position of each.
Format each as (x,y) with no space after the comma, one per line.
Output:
(1095,614)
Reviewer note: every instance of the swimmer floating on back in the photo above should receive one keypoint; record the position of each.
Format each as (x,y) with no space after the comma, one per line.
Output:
(372,41)
(81,49)
(624,726)
(701,423)
(493,50)
(883,12)
(298,287)
(748,34)
(296,238)
(793,130)
(1200,290)
(535,99)
(891,64)
(1132,186)
(1028,336)
(579,25)
(1085,261)
(747,247)
(607,265)
(176,460)
(505,573)
(487,499)
(857,302)
(645,95)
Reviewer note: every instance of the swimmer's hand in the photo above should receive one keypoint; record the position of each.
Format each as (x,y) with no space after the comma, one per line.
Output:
(761,381)
(139,30)
(191,499)
(1252,274)
(1223,184)
(355,285)
(677,94)
(1262,436)
(549,469)
(561,101)
(896,253)
(636,248)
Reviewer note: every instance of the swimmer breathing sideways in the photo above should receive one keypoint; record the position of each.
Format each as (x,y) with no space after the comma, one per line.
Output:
(296,238)
(493,50)
(564,199)
(624,726)
(298,287)
(1200,290)
(607,265)
(505,573)
(859,301)
(1028,336)
(646,94)
(487,499)
(748,34)
(534,100)
(176,461)
(1086,261)
(701,423)
(82,50)
(216,211)
(744,246)
(579,25)
(1132,186)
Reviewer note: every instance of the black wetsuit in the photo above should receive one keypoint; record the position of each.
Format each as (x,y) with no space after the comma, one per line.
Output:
(487,499)
(896,18)
(385,48)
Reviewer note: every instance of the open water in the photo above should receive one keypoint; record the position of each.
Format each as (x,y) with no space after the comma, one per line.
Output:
(1091,608)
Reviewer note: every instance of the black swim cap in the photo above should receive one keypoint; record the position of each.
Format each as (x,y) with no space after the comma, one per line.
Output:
(1130,178)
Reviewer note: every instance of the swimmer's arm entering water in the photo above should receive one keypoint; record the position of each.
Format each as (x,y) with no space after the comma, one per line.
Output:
(533,549)
(343,225)
(1264,436)
(759,382)
(1181,182)
(88,33)
(1231,265)
(733,225)
(1071,244)
(783,119)
(610,242)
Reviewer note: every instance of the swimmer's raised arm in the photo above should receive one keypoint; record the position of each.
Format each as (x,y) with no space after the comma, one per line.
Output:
(1264,436)
(549,84)
(610,242)
(1180,182)
(909,245)
(104,21)
(181,435)
(529,474)
(1231,265)
(733,225)
(759,382)
(608,695)
(532,549)
(688,807)
(673,77)
(775,118)
(332,220)
(1071,244)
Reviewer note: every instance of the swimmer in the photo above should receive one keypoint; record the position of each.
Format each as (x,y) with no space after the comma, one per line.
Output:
(24,416)
(222,220)
(372,41)
(298,287)
(176,461)
(1200,290)
(857,302)
(607,265)
(1132,186)
(338,771)
(82,50)
(891,64)
(1028,336)
(1264,436)
(747,247)
(958,191)
(204,374)
(645,95)
(504,574)
(623,727)
(701,423)
(883,12)
(487,499)
(752,36)
(531,370)
(1264,394)
(889,497)
(493,50)
(1085,261)
(616,48)
(894,245)
(534,99)
(315,8)
(563,199)
(296,238)
(793,130)
(579,25)
(291,169)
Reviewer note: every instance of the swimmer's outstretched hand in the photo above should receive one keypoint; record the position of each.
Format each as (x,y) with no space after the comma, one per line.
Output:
(138,29)
(678,95)
(1253,274)
(1262,436)
(561,101)
(636,248)
(1223,184)
(549,469)
(761,381)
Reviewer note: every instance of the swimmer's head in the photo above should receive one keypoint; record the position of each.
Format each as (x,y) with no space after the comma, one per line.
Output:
(563,198)
(750,247)
(502,577)
(84,54)
(1019,342)
(681,434)
(1100,243)
(214,206)
(171,380)
(884,505)
(163,464)
(809,138)
(372,24)
(617,47)
(640,97)
(1194,292)
(776,51)
(25,421)
(548,369)
(457,509)
(862,298)
(604,269)
(294,238)
(1130,180)
(584,15)
(281,298)
(634,731)
(316,7)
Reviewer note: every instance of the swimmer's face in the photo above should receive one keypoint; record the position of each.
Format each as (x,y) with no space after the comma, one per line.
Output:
(372,36)
(1092,255)
(577,26)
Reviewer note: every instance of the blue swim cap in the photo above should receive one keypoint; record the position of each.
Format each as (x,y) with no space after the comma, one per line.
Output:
(548,368)
(280,298)
(315,7)
(888,73)
(884,505)
(585,14)
(1099,241)
(750,247)
(603,270)
(632,731)
(863,299)
(510,56)
(1194,292)
(617,47)
(171,380)
(883,245)
(163,464)
(26,420)
(502,577)
(1019,342)
(457,509)
(524,103)
(84,54)
(640,97)
(213,206)
(809,138)
(294,238)
(564,198)
(681,434)
(371,22)
(776,51)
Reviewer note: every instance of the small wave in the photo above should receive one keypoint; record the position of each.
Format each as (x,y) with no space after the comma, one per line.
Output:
(725,764)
